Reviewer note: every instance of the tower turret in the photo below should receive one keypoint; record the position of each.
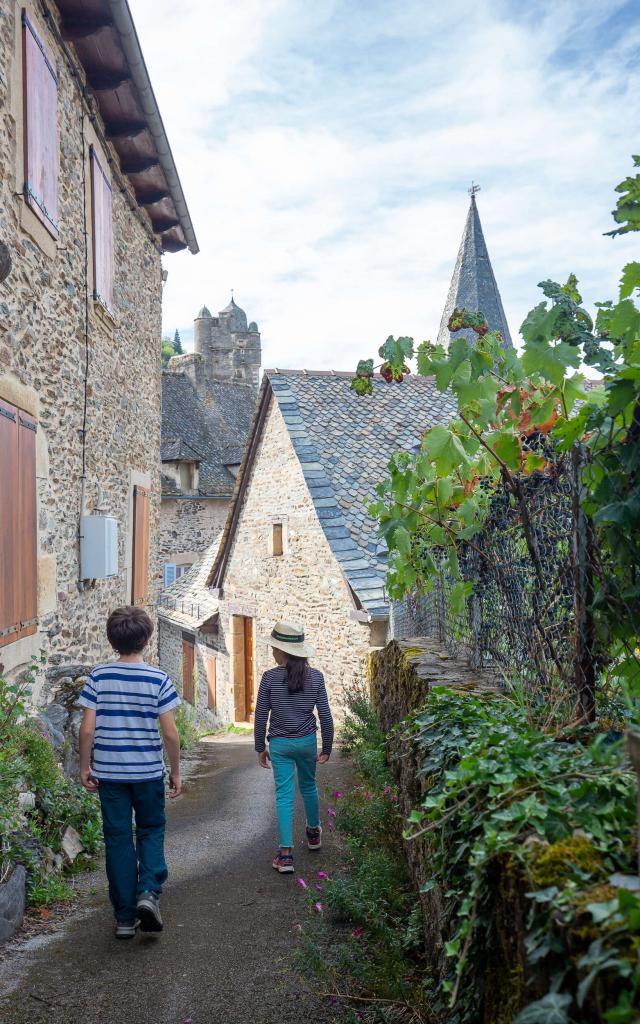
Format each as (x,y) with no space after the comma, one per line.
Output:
(230,348)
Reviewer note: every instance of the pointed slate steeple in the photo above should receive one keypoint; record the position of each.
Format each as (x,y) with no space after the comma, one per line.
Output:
(473,284)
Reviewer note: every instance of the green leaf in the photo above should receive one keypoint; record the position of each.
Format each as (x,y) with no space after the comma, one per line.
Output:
(507,447)
(362,385)
(630,280)
(551,362)
(571,289)
(365,368)
(551,1009)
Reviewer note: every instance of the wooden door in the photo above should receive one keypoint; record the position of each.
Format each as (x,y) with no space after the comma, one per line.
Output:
(249,671)
(188,658)
(243,646)
(212,696)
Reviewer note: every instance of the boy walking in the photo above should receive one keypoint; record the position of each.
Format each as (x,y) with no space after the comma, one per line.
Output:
(124,701)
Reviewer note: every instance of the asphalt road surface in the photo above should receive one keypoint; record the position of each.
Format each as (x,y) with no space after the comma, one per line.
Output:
(226,952)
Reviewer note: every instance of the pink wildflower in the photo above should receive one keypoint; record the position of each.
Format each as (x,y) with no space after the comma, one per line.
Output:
(387,790)
(322,876)
(331,811)
(318,908)
(337,794)
(330,826)
(302,883)
(357,932)
(369,796)
(394,798)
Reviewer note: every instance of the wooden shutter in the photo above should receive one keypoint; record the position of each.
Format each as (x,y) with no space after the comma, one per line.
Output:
(188,657)
(40,86)
(170,570)
(140,553)
(18,525)
(102,222)
(277,539)
(211,683)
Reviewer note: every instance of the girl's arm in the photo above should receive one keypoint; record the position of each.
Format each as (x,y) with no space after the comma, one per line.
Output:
(326,721)
(261,716)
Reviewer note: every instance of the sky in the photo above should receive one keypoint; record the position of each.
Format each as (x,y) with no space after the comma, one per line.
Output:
(326,148)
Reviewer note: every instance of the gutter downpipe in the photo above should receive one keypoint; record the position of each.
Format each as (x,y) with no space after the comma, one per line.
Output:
(131,45)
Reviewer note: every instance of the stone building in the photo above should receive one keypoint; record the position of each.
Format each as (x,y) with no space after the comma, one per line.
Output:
(89,200)
(299,543)
(208,398)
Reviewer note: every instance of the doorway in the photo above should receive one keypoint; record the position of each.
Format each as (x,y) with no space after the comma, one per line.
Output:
(244,679)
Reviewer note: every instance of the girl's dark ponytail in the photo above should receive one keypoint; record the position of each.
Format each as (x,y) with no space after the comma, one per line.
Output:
(296,672)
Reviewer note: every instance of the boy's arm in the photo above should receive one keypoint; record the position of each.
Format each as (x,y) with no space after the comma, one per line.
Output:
(87,730)
(171,741)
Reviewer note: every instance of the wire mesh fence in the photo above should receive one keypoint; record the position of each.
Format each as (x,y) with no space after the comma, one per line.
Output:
(528,618)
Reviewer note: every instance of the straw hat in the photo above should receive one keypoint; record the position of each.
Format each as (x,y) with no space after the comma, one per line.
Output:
(289,637)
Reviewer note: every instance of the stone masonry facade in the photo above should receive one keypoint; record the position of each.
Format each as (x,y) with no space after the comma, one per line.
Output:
(188,526)
(42,365)
(304,584)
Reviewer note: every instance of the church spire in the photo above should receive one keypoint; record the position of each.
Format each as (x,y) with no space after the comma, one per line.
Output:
(473,284)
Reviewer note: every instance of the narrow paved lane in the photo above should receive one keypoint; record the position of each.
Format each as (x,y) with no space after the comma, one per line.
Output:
(225,952)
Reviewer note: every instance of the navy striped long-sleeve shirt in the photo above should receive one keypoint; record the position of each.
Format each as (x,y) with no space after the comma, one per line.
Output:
(291,714)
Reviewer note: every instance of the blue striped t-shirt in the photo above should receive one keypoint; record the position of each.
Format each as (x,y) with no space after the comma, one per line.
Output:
(128,697)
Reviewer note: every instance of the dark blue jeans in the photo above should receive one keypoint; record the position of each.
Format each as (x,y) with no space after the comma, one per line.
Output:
(140,868)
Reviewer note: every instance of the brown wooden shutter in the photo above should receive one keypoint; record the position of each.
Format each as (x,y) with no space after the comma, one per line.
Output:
(9,475)
(18,525)
(188,658)
(40,85)
(212,700)
(102,222)
(277,539)
(28,537)
(140,553)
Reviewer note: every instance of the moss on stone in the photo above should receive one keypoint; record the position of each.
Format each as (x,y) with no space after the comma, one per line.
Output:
(563,861)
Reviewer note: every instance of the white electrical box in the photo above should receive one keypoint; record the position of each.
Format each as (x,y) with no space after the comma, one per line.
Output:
(98,547)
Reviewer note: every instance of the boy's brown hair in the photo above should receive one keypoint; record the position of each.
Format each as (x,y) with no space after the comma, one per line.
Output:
(129,629)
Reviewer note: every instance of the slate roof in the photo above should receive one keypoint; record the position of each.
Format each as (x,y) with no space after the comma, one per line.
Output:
(473,284)
(344,443)
(189,601)
(209,429)
(176,450)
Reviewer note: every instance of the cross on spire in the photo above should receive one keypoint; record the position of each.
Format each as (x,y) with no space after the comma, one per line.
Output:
(474,189)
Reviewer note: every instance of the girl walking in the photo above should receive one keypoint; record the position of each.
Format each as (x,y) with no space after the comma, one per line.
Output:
(287,697)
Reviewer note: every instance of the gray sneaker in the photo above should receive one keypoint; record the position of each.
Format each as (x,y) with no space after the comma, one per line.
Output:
(148,909)
(126,930)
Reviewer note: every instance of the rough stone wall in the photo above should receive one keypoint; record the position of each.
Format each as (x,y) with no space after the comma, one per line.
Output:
(188,527)
(304,584)
(170,635)
(42,362)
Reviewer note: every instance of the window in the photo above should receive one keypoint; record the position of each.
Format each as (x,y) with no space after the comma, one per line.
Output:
(188,657)
(18,525)
(40,84)
(186,476)
(102,224)
(182,569)
(211,683)
(140,548)
(170,573)
(277,542)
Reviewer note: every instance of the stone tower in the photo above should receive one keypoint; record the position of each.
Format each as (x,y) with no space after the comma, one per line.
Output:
(230,348)
(473,284)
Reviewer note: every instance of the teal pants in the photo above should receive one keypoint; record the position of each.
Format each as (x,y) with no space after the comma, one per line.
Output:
(287,755)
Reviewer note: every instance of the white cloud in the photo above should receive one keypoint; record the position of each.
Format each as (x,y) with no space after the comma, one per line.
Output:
(325,151)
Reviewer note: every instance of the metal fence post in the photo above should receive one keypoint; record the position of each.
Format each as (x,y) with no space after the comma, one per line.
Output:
(582,545)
